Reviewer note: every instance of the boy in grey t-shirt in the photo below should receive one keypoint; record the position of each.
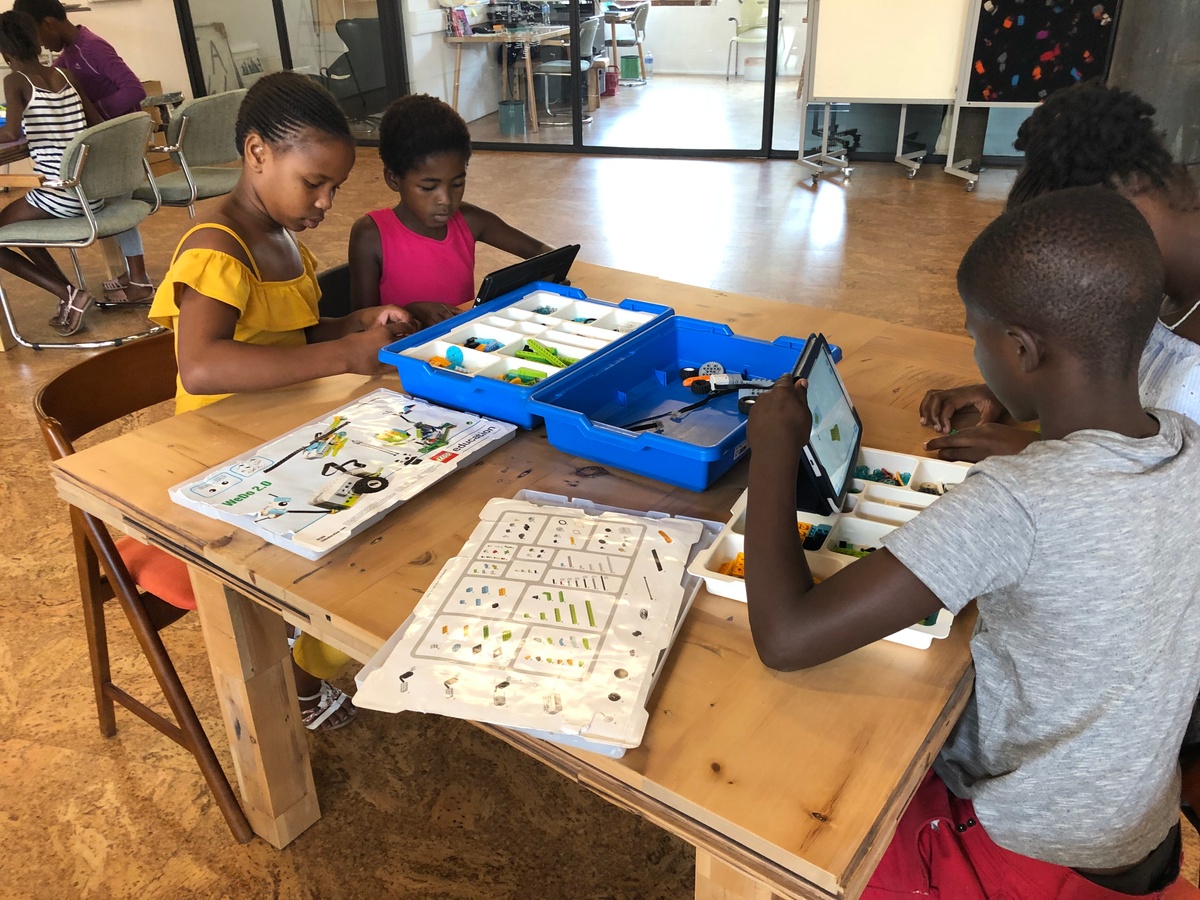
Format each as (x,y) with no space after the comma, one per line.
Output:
(1061,779)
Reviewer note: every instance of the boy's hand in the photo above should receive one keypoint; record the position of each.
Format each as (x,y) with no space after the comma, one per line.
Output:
(981,441)
(939,407)
(780,421)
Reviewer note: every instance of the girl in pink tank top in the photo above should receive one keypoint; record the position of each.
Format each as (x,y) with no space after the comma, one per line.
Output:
(420,254)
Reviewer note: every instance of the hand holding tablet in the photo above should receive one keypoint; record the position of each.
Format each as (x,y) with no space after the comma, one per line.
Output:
(834,436)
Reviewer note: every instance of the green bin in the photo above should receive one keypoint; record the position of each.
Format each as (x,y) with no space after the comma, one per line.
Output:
(630,67)
(512,117)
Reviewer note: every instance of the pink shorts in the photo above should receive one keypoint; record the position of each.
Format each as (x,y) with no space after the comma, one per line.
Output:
(940,850)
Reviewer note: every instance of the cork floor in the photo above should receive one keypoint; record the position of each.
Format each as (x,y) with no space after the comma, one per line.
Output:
(414,806)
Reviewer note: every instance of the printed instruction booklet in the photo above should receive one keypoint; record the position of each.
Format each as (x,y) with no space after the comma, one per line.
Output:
(554,619)
(315,487)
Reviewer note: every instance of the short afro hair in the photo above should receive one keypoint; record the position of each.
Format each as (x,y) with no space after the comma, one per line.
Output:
(42,9)
(1079,267)
(417,127)
(1091,134)
(19,37)
(282,105)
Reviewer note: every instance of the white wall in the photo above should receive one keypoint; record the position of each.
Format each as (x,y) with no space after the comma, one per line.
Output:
(694,40)
(146,35)
(431,60)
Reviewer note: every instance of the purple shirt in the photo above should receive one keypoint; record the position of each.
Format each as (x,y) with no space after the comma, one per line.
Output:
(110,84)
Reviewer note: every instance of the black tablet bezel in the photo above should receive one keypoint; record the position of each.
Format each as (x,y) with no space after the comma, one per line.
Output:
(815,491)
(552,266)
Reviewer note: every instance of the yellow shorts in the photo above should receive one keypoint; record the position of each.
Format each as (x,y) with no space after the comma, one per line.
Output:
(318,659)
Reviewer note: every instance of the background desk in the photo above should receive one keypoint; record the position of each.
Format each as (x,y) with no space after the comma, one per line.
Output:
(785,783)
(526,39)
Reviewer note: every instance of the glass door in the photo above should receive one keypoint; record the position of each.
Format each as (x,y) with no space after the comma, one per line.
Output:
(230,44)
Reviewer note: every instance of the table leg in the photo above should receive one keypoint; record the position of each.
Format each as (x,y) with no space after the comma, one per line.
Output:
(248,650)
(457,71)
(114,259)
(530,93)
(717,880)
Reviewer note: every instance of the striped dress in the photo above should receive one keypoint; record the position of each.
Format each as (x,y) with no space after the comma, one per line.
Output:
(51,120)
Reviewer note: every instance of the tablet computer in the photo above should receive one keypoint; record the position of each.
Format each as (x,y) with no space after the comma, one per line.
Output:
(828,461)
(552,267)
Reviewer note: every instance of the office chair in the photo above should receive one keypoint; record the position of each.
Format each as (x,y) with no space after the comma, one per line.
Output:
(105,162)
(561,68)
(638,24)
(152,588)
(200,139)
(358,72)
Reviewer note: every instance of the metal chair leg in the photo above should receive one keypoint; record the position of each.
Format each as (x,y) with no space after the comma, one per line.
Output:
(11,322)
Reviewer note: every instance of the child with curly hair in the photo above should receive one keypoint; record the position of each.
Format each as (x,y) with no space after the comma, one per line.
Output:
(1086,135)
(420,254)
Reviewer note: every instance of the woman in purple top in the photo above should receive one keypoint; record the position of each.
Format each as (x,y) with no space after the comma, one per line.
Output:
(115,91)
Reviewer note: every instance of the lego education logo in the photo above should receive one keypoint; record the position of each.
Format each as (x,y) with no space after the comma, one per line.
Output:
(443,456)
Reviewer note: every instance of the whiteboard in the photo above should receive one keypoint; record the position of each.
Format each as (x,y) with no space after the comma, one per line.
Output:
(901,51)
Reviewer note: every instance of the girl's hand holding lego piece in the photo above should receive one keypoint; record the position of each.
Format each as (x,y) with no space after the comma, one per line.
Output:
(362,348)
(780,421)
(397,319)
(981,441)
(939,407)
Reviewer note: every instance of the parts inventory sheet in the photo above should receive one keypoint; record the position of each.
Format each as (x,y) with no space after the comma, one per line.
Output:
(551,619)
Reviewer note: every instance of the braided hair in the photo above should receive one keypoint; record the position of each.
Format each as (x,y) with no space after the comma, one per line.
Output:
(1092,134)
(18,37)
(282,105)
(42,9)
(417,127)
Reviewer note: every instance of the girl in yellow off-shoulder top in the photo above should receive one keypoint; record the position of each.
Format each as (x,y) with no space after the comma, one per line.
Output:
(241,294)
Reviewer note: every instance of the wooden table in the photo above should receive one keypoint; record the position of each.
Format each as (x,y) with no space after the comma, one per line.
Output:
(526,37)
(784,783)
(11,152)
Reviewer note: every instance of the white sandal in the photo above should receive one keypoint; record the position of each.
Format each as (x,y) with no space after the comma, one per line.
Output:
(69,318)
(329,701)
(114,293)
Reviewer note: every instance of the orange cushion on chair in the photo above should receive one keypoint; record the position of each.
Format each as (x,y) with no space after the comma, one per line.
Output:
(157,573)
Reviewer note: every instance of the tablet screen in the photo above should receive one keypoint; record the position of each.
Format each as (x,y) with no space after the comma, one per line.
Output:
(835,427)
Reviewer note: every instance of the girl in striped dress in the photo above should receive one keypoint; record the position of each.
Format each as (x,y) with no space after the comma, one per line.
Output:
(46,104)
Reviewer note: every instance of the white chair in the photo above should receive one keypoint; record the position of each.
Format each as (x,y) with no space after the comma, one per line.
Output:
(750,27)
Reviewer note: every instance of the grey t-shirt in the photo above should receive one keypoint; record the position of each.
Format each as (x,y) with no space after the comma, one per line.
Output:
(1082,554)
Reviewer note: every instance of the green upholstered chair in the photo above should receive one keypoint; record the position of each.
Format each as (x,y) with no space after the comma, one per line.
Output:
(106,162)
(200,139)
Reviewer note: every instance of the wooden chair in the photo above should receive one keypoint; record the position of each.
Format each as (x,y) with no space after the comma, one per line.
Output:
(134,376)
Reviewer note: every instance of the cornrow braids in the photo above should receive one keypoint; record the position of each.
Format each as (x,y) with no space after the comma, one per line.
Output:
(18,36)
(1090,134)
(417,127)
(41,9)
(281,105)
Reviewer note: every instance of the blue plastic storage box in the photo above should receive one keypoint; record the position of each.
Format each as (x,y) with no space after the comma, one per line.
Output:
(563,319)
(586,408)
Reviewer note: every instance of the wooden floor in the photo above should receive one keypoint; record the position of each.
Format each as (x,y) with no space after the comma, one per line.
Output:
(414,807)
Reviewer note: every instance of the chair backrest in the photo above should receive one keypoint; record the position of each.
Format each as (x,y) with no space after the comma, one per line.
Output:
(752,14)
(587,36)
(640,14)
(209,137)
(364,46)
(104,388)
(335,292)
(115,155)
